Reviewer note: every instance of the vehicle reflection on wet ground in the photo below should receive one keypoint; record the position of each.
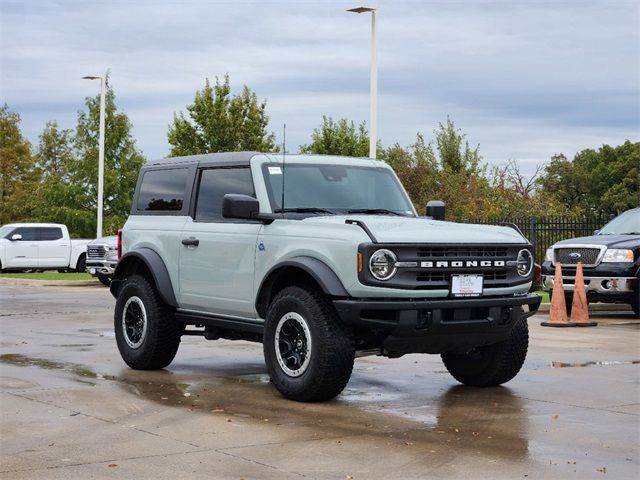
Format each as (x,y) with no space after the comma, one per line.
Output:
(71,408)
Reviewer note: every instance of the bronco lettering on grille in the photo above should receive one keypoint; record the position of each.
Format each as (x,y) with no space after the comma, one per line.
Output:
(460,263)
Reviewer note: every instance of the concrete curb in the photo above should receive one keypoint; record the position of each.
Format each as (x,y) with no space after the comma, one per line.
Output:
(48,283)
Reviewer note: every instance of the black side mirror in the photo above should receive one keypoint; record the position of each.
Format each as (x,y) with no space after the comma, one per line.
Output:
(435,209)
(240,206)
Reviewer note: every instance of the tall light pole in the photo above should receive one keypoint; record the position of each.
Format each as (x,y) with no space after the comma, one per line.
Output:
(373,105)
(100,151)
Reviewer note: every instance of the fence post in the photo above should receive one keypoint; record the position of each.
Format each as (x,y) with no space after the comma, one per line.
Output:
(533,234)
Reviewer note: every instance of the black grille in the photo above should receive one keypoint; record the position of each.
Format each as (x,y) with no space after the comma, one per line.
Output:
(96,251)
(445,277)
(430,267)
(458,252)
(571,256)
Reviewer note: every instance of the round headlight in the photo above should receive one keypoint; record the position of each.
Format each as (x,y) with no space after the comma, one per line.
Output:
(382,264)
(525,263)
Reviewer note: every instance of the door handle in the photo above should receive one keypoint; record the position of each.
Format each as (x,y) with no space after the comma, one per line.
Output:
(191,242)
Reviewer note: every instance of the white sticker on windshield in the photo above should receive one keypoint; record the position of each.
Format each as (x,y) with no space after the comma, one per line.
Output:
(275,171)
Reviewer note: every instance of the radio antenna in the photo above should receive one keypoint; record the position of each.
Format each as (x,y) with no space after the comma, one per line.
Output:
(284,151)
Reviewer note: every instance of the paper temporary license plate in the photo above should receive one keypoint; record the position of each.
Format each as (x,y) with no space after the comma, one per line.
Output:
(92,271)
(466,285)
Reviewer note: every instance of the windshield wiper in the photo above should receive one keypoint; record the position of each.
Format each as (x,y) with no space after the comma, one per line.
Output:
(374,211)
(303,210)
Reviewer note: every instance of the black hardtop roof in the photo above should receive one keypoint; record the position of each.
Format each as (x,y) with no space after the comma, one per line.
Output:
(237,158)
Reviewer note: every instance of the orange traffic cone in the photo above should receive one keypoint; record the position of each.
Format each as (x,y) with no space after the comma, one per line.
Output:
(558,311)
(579,306)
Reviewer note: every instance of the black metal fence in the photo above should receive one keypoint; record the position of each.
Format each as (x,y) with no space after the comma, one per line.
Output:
(543,232)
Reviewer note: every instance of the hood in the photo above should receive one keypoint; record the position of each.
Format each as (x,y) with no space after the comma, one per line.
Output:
(392,229)
(610,241)
(110,240)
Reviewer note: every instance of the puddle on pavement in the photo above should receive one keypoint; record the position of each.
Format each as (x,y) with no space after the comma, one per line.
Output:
(25,361)
(488,420)
(603,363)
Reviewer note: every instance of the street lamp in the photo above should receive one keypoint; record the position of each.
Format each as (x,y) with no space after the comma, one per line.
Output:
(100,151)
(374,80)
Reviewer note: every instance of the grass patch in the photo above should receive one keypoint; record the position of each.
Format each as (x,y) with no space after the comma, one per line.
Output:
(48,276)
(545,296)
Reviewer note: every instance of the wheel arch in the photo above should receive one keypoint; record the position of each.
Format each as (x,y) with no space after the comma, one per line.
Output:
(301,270)
(147,262)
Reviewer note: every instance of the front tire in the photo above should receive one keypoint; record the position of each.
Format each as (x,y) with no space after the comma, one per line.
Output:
(635,301)
(106,281)
(146,331)
(491,365)
(81,266)
(309,352)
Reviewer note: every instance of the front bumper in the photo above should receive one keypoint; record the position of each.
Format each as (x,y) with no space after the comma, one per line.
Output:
(102,268)
(600,285)
(437,326)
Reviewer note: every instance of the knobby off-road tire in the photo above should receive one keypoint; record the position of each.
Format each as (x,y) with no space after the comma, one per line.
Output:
(493,364)
(322,362)
(146,332)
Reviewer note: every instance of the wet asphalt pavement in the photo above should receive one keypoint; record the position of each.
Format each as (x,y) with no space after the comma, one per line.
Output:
(72,409)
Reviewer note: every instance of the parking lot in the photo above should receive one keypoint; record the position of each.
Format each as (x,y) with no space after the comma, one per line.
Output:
(72,409)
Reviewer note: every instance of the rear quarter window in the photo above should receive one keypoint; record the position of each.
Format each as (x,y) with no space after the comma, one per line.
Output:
(162,190)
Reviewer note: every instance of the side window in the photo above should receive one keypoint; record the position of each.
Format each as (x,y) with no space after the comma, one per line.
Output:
(29,234)
(215,183)
(162,190)
(50,233)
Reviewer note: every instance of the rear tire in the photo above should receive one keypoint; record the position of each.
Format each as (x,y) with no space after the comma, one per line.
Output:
(491,365)
(146,331)
(309,352)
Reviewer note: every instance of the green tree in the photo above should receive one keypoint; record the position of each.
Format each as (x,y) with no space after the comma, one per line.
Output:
(605,180)
(55,151)
(55,157)
(18,172)
(339,138)
(220,122)
(70,184)
(451,171)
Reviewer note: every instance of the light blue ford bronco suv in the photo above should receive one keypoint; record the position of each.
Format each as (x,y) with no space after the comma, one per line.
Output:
(319,258)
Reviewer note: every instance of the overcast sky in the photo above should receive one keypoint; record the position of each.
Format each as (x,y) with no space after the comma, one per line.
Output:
(524,79)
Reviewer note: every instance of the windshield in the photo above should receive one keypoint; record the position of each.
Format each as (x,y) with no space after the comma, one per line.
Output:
(625,224)
(327,188)
(4,231)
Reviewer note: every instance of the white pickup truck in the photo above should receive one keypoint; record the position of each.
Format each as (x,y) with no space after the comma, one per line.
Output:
(40,246)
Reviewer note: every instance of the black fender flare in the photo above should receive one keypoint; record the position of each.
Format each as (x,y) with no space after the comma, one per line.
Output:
(154,263)
(324,276)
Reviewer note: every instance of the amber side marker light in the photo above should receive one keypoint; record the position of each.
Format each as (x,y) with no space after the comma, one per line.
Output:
(359,262)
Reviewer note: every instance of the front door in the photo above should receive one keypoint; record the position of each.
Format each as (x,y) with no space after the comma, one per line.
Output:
(22,253)
(216,275)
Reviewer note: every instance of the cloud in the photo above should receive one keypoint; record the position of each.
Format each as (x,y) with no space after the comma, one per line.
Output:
(523,79)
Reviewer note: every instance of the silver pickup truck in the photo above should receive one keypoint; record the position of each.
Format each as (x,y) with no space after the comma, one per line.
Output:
(102,258)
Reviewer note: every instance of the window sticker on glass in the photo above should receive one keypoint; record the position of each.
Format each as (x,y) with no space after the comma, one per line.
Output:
(275,171)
